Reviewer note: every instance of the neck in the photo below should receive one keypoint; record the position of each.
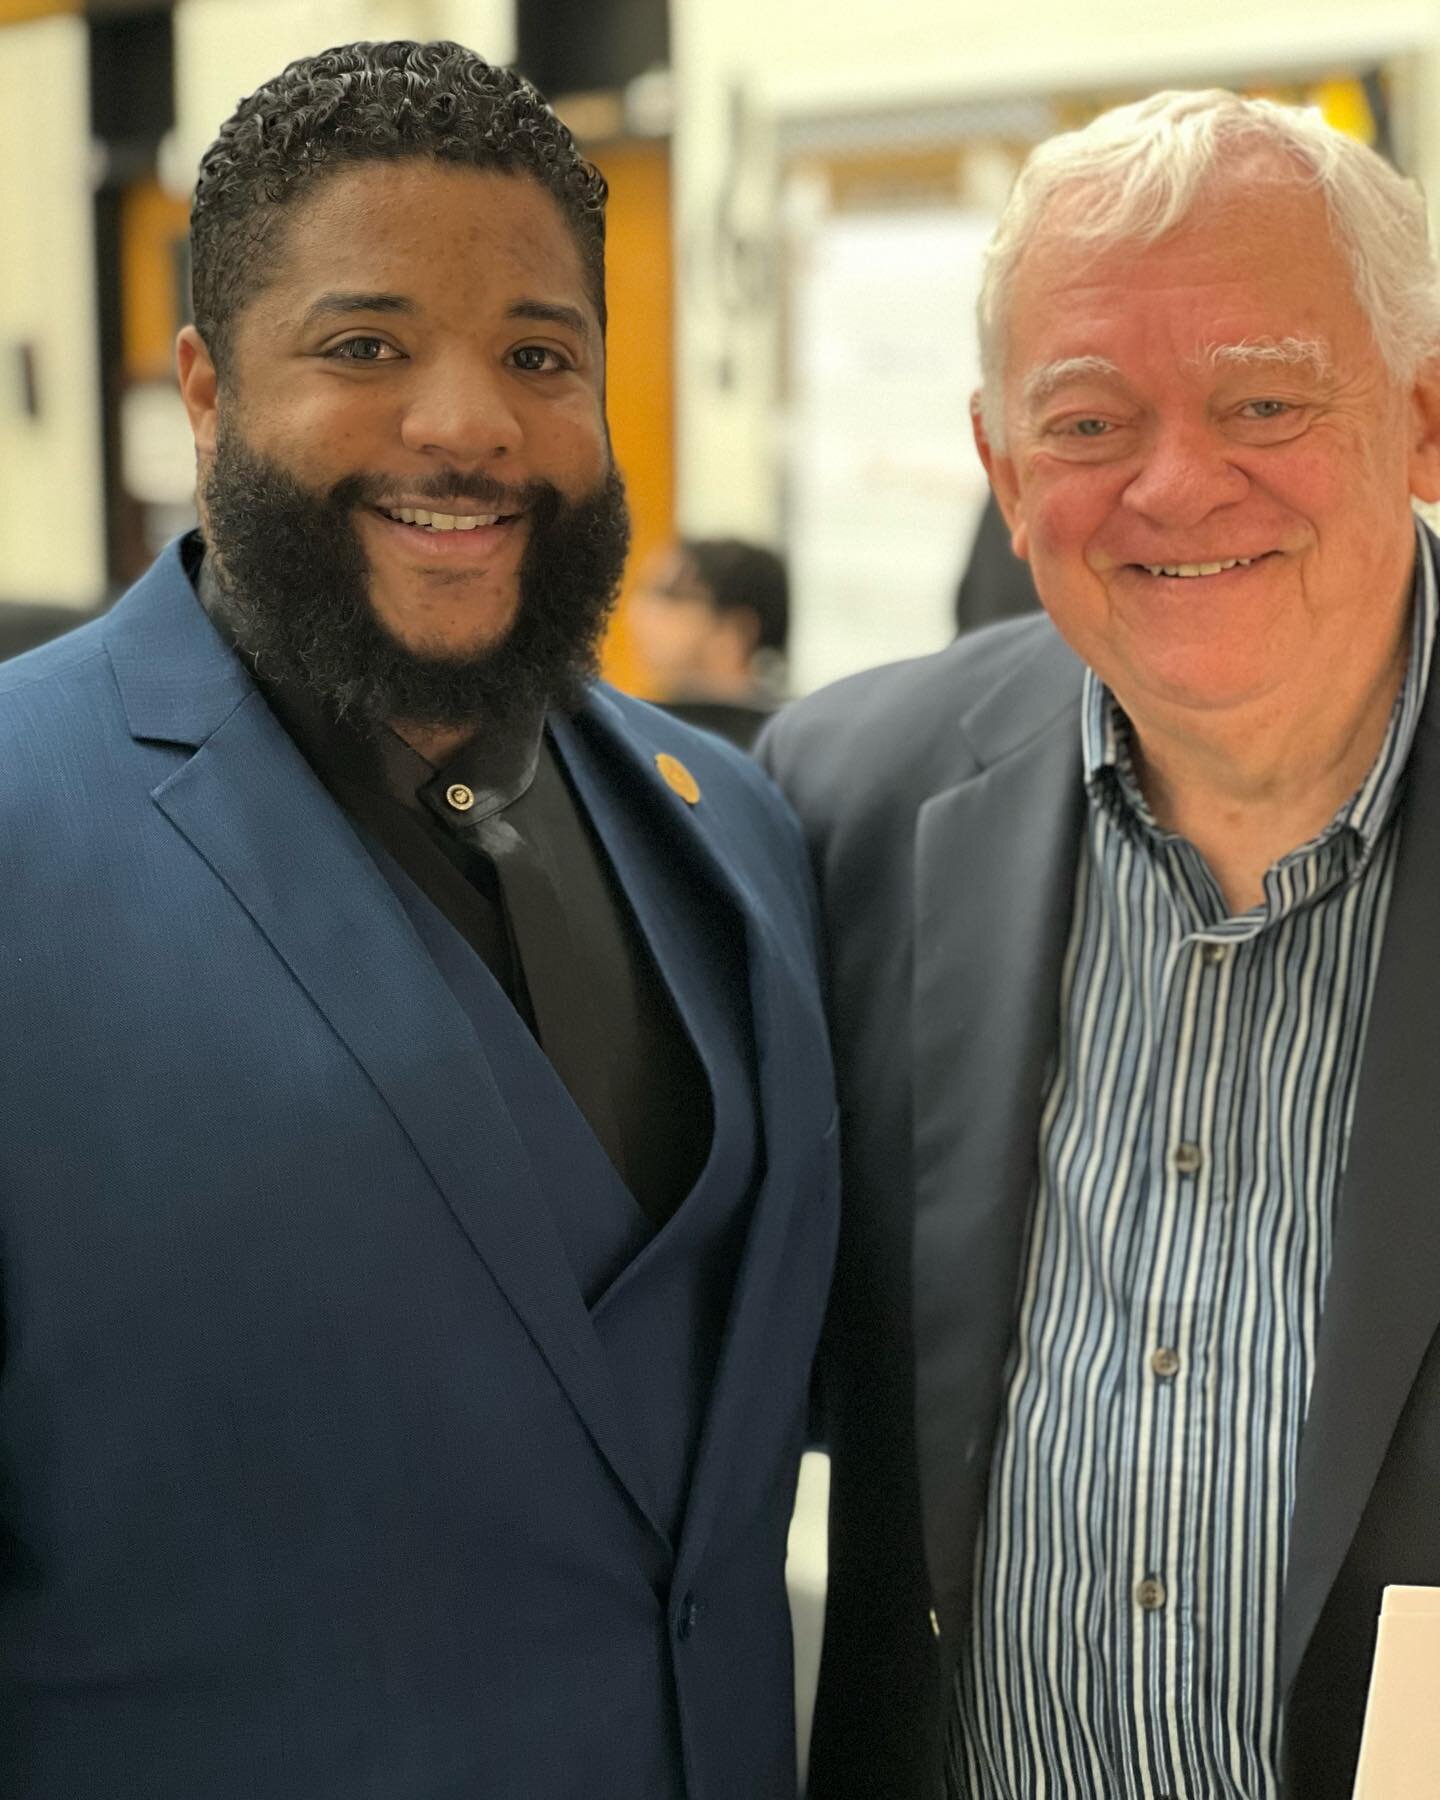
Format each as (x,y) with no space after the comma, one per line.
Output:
(1250,786)
(728,685)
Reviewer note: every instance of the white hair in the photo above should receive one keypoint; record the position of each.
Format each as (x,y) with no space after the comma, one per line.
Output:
(1137,172)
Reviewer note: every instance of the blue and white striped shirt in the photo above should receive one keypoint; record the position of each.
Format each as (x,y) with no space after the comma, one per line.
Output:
(1130,1568)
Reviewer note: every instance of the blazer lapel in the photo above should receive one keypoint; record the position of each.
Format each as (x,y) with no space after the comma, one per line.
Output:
(789,1039)
(250,806)
(1382,1305)
(630,838)
(995,870)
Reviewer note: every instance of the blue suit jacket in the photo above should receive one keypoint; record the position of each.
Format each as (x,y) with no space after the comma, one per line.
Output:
(313,1480)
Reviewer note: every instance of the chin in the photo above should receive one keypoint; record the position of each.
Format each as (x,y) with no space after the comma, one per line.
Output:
(1200,683)
(460,643)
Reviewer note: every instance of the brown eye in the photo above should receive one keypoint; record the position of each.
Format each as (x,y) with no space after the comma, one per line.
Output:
(535,359)
(360,350)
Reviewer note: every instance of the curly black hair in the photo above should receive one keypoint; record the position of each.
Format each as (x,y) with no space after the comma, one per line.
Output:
(367,103)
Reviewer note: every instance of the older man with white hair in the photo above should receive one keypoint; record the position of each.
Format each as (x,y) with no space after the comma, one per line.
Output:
(1132,1380)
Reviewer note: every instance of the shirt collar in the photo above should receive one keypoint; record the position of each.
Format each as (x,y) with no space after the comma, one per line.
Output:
(1107,741)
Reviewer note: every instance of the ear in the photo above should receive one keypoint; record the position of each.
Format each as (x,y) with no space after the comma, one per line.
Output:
(1425,432)
(1004,482)
(199,388)
(745,623)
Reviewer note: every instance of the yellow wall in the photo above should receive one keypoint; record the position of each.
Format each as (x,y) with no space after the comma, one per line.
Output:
(20,12)
(152,225)
(639,359)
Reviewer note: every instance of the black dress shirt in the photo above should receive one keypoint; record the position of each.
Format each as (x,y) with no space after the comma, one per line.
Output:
(498,841)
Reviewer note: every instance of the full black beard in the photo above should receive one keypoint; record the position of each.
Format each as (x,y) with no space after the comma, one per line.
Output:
(295,583)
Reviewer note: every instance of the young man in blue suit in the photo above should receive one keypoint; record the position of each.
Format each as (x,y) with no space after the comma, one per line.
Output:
(417,1185)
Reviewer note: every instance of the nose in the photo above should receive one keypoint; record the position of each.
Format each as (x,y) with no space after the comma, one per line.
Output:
(1187,474)
(461,409)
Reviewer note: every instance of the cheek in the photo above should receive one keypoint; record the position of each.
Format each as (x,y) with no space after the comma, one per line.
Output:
(319,434)
(573,435)
(1063,511)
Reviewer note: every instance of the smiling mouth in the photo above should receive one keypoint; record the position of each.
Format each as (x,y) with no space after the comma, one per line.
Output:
(424,520)
(1190,571)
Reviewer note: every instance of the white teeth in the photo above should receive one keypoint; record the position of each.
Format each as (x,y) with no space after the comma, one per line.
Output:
(437,521)
(1188,569)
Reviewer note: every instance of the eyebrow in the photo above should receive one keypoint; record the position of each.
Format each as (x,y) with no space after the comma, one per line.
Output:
(546,312)
(355,303)
(1264,352)
(1041,383)
(551,312)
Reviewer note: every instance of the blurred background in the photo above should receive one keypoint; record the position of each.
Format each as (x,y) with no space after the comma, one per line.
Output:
(800,193)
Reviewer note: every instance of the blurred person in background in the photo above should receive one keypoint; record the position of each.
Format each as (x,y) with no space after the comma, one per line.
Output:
(997,583)
(710,618)
(1132,1373)
(417,1190)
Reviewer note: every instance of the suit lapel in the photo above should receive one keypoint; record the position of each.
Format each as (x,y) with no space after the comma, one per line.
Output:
(787,1043)
(995,869)
(1382,1306)
(249,805)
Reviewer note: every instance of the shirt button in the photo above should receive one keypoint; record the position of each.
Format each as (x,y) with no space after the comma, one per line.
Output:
(1188,1158)
(1214,954)
(934,1623)
(460,797)
(1165,1363)
(688,1617)
(1150,1594)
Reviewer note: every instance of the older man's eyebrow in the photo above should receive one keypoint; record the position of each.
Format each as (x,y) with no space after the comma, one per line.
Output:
(338,304)
(1043,383)
(1308,355)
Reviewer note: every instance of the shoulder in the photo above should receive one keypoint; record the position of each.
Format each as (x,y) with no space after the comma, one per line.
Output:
(908,729)
(726,776)
(747,821)
(57,691)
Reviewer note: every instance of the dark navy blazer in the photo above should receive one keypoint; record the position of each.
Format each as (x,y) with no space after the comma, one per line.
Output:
(334,1462)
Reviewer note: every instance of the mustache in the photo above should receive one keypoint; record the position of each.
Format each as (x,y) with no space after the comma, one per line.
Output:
(483,491)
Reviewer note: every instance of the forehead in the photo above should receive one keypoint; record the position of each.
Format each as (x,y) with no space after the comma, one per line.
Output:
(438,234)
(1259,267)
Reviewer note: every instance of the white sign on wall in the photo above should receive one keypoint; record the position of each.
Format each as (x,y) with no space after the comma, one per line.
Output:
(884,486)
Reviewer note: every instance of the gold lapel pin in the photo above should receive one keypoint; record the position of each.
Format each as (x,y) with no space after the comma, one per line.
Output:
(679,778)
